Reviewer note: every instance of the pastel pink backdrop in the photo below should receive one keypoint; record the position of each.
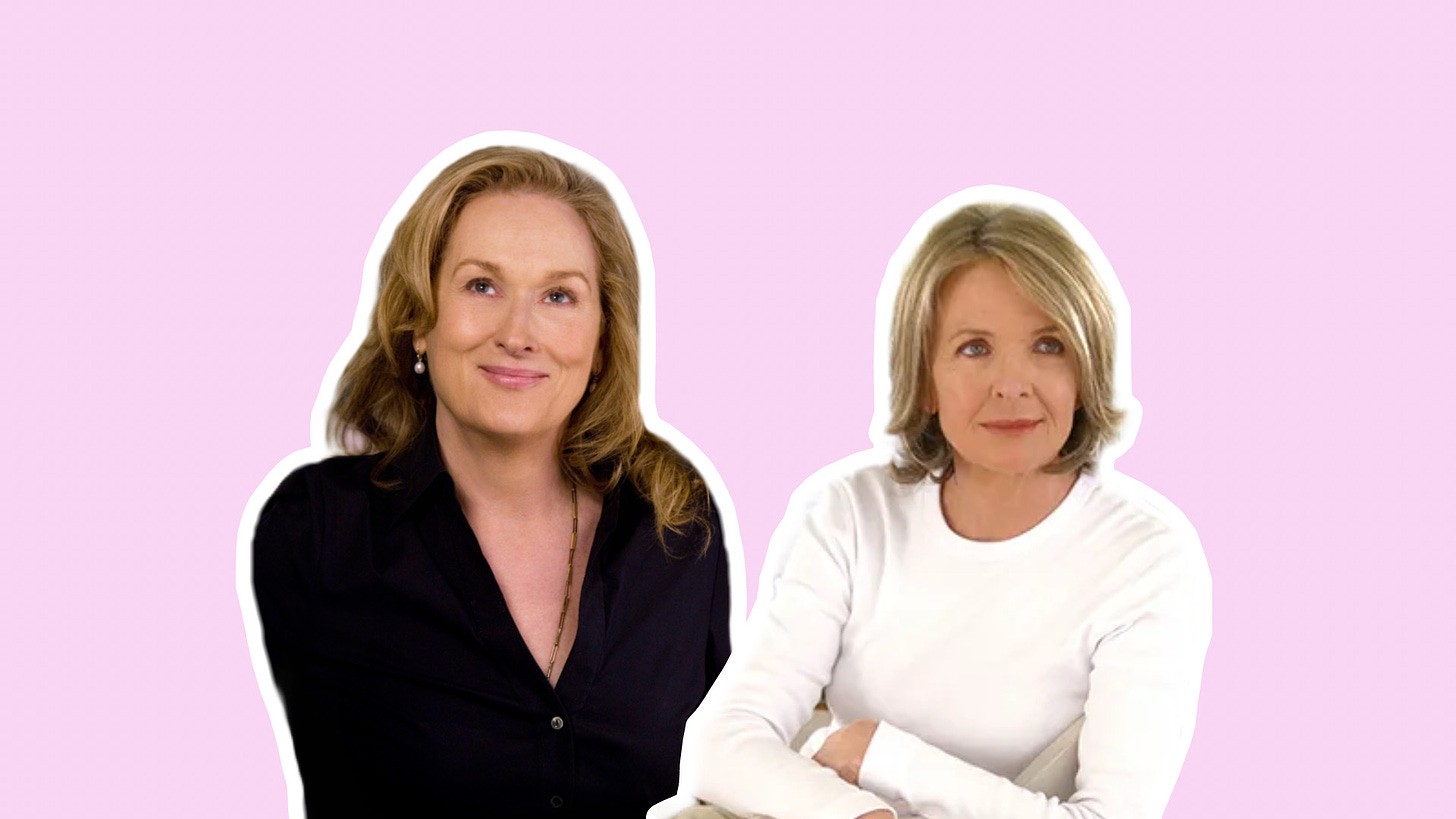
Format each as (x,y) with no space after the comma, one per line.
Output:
(189,195)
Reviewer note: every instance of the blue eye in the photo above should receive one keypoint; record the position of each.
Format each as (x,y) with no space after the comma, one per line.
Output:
(484,287)
(560,297)
(974,349)
(1050,346)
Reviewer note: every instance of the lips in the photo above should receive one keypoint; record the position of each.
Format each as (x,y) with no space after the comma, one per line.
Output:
(1012,426)
(513,378)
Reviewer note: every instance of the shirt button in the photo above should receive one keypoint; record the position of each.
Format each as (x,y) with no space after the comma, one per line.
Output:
(557,801)
(557,723)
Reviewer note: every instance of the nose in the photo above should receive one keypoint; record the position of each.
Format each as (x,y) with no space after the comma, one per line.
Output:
(517,333)
(1011,388)
(1012,378)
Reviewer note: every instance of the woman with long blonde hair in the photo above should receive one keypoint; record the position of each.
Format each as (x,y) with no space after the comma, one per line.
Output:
(509,596)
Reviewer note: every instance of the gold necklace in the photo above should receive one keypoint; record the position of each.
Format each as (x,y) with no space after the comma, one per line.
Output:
(566,600)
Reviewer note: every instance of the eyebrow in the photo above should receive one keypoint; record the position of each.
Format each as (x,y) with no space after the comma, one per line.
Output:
(975,331)
(558,275)
(493,268)
(489,267)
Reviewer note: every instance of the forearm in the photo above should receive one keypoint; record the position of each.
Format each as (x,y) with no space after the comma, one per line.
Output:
(1138,723)
(737,758)
(904,770)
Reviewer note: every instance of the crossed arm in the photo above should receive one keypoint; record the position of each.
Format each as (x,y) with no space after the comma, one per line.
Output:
(1142,697)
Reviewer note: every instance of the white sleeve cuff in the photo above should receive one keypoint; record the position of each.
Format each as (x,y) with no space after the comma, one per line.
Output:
(672,806)
(887,763)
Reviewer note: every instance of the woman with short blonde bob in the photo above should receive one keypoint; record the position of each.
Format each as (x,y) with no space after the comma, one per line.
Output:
(510,596)
(1000,629)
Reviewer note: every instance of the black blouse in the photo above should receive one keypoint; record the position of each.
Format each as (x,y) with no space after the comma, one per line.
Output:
(410,692)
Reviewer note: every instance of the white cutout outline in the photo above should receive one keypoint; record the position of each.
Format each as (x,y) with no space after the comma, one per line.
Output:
(320,449)
(884,447)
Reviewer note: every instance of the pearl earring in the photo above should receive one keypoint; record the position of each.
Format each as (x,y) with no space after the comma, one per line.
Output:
(419,363)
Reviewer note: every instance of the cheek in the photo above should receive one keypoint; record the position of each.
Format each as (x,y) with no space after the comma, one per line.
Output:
(575,343)
(456,329)
(957,394)
(1061,394)
(588,342)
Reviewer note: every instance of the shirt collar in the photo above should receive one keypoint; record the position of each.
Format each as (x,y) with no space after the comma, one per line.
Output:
(414,471)
(419,467)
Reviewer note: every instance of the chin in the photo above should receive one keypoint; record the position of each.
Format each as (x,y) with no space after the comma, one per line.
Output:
(508,427)
(1012,464)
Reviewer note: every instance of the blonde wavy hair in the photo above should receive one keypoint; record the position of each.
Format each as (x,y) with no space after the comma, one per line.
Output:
(382,406)
(1048,266)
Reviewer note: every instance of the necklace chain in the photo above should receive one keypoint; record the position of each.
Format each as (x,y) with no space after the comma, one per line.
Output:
(566,599)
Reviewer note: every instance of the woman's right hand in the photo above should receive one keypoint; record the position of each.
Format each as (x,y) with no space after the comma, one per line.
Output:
(844,750)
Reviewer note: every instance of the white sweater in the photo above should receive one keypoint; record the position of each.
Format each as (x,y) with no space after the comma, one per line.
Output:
(972,656)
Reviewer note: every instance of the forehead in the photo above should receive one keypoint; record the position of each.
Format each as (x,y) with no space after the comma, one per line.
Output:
(982,295)
(522,233)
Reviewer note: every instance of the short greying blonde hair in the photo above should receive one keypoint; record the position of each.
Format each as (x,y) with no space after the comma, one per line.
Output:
(1048,266)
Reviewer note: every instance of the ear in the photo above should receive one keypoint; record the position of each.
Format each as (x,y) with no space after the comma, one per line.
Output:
(417,341)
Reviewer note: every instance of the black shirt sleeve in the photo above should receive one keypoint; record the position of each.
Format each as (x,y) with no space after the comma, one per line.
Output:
(285,551)
(721,610)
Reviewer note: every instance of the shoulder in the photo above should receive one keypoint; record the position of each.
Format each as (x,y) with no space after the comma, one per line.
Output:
(860,497)
(332,478)
(632,510)
(861,483)
(1135,512)
(668,485)
(298,521)
(1144,531)
(313,493)
(852,504)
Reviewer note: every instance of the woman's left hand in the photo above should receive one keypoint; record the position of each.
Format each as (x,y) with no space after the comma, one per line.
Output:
(843,751)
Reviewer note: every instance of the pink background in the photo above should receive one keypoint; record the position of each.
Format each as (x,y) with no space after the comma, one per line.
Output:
(189,196)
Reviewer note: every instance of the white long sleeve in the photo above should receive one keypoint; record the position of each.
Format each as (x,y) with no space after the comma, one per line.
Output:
(735,752)
(1139,713)
(971,655)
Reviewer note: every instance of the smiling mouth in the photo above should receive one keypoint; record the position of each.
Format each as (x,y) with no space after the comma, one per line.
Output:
(513,378)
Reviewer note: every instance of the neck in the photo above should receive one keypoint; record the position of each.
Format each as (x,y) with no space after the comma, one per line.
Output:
(517,478)
(983,505)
